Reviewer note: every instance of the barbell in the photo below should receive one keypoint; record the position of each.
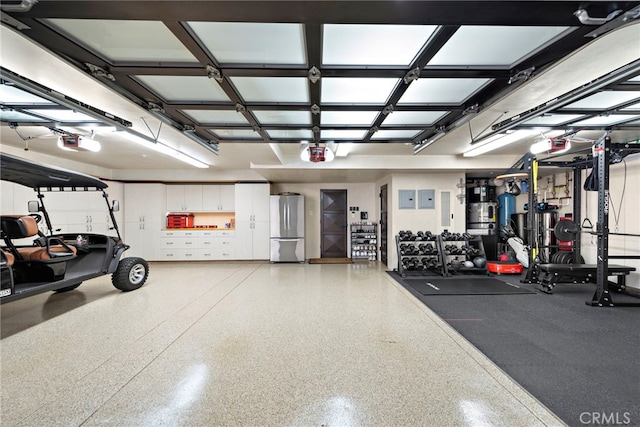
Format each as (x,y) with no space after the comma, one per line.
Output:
(566,230)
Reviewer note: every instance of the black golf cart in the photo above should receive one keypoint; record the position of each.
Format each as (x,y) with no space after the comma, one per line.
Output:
(58,261)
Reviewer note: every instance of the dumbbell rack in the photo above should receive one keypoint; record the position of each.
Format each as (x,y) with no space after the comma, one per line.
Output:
(465,248)
(419,254)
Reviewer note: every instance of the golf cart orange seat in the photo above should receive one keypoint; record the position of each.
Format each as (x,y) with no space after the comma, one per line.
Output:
(25,226)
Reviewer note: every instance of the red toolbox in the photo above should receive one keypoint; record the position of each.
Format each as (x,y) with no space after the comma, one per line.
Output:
(179,220)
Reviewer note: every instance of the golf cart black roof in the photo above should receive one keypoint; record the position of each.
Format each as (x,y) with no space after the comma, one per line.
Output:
(39,176)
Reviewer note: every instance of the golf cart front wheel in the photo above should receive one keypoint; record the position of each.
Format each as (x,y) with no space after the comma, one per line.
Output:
(130,274)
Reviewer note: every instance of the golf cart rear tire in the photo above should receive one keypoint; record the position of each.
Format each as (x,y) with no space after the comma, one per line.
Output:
(131,274)
(68,288)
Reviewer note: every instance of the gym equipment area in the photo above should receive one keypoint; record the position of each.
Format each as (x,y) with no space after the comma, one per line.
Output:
(552,263)
(445,254)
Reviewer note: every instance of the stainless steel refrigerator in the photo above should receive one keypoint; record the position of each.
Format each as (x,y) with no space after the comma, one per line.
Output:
(287,228)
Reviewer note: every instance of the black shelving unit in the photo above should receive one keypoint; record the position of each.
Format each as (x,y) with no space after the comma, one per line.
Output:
(364,241)
(463,247)
(419,254)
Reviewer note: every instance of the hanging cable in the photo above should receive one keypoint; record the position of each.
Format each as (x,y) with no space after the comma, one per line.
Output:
(616,215)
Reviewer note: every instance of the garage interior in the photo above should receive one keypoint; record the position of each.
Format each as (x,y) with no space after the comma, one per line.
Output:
(387,117)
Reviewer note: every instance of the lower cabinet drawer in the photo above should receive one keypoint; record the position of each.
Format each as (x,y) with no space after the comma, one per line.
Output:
(181,249)
(179,254)
(226,253)
(178,243)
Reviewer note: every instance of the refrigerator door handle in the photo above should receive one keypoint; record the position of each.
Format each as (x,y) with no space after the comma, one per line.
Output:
(287,213)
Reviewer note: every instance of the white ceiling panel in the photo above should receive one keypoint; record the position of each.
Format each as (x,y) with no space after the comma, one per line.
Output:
(441,90)
(252,43)
(276,117)
(356,118)
(328,134)
(423,118)
(604,100)
(494,45)
(605,120)
(13,95)
(553,119)
(63,115)
(235,133)
(345,44)
(17,116)
(216,116)
(184,88)
(272,89)
(345,90)
(119,40)
(396,133)
(290,133)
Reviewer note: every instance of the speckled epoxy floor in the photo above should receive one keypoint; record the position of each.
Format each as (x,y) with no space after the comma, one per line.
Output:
(248,344)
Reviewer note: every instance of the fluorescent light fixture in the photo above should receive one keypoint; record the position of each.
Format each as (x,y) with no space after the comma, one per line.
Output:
(499,141)
(190,160)
(164,149)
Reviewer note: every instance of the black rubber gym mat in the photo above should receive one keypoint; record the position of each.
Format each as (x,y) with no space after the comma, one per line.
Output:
(579,361)
(464,286)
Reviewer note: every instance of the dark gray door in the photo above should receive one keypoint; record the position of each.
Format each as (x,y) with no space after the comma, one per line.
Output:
(383,224)
(333,230)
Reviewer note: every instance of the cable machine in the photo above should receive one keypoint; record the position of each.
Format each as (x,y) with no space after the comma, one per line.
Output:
(600,272)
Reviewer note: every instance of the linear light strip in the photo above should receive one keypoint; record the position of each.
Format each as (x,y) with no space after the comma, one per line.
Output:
(498,141)
(102,116)
(149,143)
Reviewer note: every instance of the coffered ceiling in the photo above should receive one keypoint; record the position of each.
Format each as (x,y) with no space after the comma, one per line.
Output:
(388,85)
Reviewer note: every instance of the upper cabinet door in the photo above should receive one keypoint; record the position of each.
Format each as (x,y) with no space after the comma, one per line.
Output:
(261,207)
(227,198)
(244,202)
(193,198)
(175,198)
(145,202)
(211,198)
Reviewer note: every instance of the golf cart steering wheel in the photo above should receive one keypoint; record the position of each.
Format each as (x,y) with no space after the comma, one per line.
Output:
(36,216)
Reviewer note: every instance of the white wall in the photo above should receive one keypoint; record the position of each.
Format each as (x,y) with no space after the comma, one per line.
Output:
(364,196)
(627,213)
(423,219)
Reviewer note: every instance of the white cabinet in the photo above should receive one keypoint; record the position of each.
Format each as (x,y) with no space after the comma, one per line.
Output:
(143,239)
(144,217)
(200,198)
(145,202)
(87,212)
(197,245)
(252,221)
(15,198)
(252,240)
(218,198)
(184,198)
(252,202)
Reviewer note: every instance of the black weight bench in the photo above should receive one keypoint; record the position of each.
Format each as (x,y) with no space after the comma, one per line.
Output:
(551,274)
